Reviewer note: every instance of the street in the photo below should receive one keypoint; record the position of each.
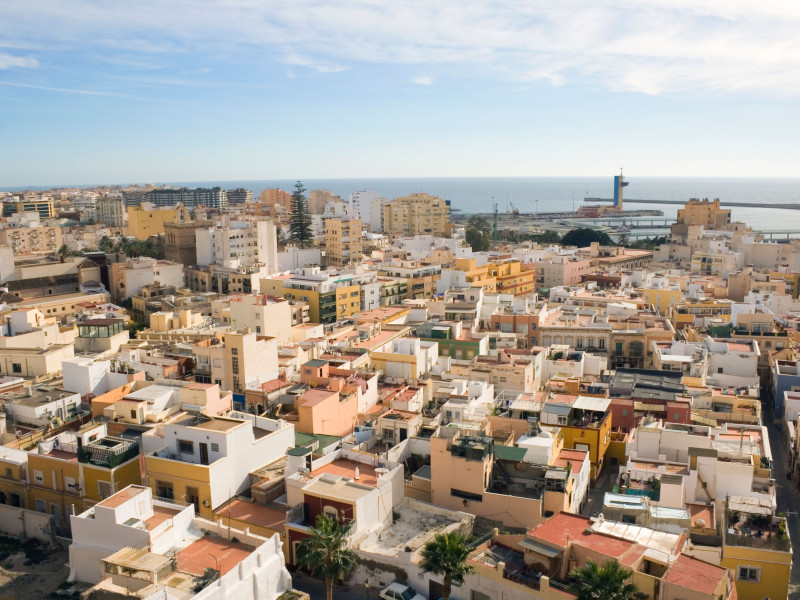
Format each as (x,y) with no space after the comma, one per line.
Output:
(316,588)
(785,489)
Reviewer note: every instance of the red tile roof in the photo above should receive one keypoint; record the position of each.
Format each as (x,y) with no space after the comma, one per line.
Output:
(695,574)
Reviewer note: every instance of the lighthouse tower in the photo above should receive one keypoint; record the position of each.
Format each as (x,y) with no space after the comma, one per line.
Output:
(619,183)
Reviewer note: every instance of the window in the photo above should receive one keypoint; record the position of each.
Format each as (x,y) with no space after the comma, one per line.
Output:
(235,365)
(133,414)
(506,328)
(214,447)
(41,505)
(624,412)
(331,512)
(258,328)
(466,495)
(234,351)
(522,328)
(677,416)
(185,447)
(70,483)
(602,343)
(164,490)
(104,489)
(38,477)
(580,343)
(9,473)
(749,574)
(16,367)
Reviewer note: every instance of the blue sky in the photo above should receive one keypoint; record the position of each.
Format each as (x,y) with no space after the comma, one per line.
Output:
(150,91)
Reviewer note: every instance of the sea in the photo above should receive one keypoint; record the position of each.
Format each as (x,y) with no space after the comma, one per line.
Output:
(557,194)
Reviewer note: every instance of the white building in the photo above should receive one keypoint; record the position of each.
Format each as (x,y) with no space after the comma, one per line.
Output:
(367,205)
(239,242)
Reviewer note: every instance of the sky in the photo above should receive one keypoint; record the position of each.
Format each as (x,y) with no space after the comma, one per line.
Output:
(93,91)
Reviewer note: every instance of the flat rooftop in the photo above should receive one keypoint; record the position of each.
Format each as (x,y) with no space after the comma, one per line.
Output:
(253,514)
(347,468)
(122,496)
(209,424)
(212,552)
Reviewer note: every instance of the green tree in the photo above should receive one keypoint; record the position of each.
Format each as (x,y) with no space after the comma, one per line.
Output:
(546,237)
(446,555)
(584,236)
(478,240)
(106,244)
(300,220)
(324,554)
(479,222)
(607,582)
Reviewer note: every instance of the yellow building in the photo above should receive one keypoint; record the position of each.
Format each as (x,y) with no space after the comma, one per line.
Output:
(417,214)
(144,222)
(586,425)
(207,460)
(43,206)
(687,312)
(343,241)
(27,240)
(330,298)
(792,282)
(13,477)
(662,299)
(68,477)
(707,214)
(761,564)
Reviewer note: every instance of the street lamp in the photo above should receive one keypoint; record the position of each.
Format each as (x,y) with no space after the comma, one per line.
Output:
(366,585)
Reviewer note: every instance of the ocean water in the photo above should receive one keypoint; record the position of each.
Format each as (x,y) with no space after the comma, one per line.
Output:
(550,194)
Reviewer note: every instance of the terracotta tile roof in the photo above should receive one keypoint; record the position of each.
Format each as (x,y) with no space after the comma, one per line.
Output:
(695,574)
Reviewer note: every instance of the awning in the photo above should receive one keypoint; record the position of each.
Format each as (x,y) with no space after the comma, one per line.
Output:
(539,548)
(557,409)
(649,407)
(590,403)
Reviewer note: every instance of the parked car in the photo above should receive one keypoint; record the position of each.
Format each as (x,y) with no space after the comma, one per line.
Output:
(398,591)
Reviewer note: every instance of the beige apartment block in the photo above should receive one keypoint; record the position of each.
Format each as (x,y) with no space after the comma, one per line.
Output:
(343,241)
(417,214)
(27,240)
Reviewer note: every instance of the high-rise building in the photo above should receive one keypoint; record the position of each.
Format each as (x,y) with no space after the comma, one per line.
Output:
(110,211)
(343,241)
(239,196)
(417,214)
(208,197)
(275,198)
(368,205)
(317,199)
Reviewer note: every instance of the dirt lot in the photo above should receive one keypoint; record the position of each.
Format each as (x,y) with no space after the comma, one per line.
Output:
(42,578)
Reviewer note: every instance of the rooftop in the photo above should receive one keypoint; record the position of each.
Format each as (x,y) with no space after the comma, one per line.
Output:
(695,574)
(347,468)
(212,552)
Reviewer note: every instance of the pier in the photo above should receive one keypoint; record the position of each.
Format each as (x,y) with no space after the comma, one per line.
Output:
(790,206)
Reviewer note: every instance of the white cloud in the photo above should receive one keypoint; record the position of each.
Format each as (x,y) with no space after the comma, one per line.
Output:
(646,46)
(423,80)
(7,61)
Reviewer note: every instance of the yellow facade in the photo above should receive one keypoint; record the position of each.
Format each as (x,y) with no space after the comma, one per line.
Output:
(792,282)
(661,299)
(597,441)
(189,483)
(59,486)
(144,223)
(684,313)
(12,484)
(774,571)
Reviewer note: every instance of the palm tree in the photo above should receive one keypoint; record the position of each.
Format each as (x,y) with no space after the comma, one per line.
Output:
(609,582)
(325,554)
(446,555)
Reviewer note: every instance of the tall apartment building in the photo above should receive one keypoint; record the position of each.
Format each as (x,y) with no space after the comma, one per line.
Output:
(368,205)
(239,242)
(276,199)
(239,359)
(343,241)
(239,196)
(110,211)
(417,214)
(128,278)
(706,213)
(209,197)
(317,199)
